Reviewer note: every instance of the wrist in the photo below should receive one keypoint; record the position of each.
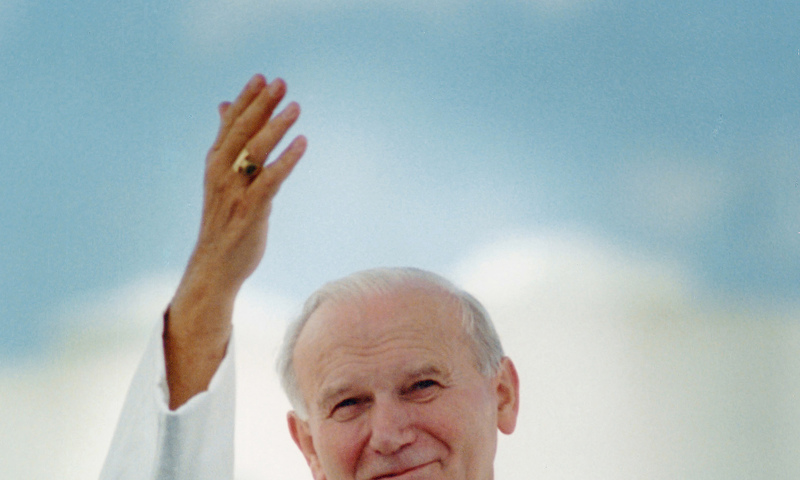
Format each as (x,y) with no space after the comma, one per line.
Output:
(201,308)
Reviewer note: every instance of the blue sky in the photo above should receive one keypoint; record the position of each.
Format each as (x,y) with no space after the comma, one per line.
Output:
(669,128)
(618,180)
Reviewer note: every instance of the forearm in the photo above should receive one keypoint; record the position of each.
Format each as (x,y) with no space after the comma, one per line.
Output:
(196,335)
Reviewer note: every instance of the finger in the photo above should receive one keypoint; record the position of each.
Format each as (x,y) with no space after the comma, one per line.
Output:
(252,119)
(272,176)
(265,140)
(246,96)
(223,107)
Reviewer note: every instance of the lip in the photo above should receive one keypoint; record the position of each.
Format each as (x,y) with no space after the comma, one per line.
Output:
(402,473)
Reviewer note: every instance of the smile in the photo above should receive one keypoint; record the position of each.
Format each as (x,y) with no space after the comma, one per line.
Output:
(403,473)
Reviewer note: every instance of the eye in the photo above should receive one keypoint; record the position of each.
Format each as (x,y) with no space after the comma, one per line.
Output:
(423,390)
(422,385)
(348,409)
(346,403)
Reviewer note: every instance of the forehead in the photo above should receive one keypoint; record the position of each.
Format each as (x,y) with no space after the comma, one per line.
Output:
(357,335)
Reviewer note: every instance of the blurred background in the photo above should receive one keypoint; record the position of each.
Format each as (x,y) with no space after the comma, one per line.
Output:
(619,182)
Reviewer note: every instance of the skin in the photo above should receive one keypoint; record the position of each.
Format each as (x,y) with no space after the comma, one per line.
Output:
(393,391)
(233,233)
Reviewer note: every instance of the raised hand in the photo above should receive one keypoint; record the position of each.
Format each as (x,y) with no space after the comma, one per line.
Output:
(233,232)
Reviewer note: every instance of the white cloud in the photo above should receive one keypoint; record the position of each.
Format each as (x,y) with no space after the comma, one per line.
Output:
(624,373)
(264,448)
(59,413)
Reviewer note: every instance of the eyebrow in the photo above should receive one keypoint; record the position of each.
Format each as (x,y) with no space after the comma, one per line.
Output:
(330,393)
(426,371)
(338,390)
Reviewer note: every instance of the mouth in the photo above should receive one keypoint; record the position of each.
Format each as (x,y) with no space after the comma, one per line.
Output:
(402,473)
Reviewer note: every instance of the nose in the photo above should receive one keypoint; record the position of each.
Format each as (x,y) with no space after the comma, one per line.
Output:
(391,428)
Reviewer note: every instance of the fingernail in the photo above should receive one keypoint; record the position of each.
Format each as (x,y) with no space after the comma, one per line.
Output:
(254,81)
(277,86)
(293,110)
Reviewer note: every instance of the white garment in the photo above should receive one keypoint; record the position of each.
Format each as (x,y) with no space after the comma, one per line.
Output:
(194,442)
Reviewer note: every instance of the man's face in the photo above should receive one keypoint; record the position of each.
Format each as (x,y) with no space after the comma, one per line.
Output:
(393,391)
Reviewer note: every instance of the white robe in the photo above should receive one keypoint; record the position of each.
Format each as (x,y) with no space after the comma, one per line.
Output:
(194,442)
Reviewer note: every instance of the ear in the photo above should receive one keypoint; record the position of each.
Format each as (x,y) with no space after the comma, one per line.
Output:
(301,434)
(507,383)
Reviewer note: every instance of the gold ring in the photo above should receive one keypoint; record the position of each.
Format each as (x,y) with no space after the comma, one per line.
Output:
(244,166)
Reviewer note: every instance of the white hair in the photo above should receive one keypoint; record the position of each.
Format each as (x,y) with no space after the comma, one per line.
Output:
(478,326)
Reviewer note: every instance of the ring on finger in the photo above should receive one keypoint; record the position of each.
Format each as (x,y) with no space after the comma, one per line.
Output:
(244,165)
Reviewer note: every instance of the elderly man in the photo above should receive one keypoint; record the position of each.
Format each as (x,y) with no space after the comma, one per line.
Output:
(392,373)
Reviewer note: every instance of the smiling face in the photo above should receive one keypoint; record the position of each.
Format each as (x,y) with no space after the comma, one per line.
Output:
(393,391)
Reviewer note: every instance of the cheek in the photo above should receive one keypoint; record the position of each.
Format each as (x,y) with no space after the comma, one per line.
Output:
(467,423)
(458,417)
(339,446)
